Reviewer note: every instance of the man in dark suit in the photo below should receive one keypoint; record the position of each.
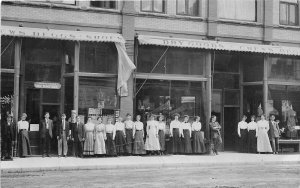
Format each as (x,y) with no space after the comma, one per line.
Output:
(63,133)
(8,135)
(46,126)
(78,137)
(274,133)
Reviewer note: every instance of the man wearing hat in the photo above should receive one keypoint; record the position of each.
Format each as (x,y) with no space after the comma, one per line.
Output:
(8,135)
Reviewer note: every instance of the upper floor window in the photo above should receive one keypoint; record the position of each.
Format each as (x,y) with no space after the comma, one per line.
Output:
(237,9)
(153,6)
(288,12)
(188,7)
(104,4)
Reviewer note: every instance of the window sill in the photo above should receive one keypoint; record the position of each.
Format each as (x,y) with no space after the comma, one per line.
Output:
(289,27)
(167,16)
(240,22)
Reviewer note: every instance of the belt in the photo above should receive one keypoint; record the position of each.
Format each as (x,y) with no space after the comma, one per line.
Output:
(128,129)
(23,129)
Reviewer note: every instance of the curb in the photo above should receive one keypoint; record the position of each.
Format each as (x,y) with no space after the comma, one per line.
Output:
(142,166)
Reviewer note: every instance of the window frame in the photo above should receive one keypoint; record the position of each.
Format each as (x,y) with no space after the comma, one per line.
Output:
(152,7)
(288,5)
(115,8)
(187,13)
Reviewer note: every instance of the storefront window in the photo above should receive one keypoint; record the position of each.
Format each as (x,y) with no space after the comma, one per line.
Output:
(283,99)
(225,80)
(253,100)
(98,57)
(7,52)
(69,95)
(7,93)
(97,93)
(253,67)
(169,97)
(175,61)
(68,57)
(42,60)
(225,62)
(284,68)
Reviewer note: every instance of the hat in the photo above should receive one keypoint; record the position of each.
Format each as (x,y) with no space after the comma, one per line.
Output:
(73,111)
(176,114)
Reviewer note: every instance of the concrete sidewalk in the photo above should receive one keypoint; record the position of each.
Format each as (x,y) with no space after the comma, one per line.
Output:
(71,163)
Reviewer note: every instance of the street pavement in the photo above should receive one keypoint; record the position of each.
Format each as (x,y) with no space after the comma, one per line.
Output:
(54,163)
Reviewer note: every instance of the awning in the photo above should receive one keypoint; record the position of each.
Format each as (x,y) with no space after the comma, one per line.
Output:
(217,45)
(61,34)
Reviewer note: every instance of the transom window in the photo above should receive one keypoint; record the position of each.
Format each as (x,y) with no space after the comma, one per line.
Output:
(104,4)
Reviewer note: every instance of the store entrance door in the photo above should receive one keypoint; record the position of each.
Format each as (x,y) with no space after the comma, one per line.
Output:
(231,119)
(39,101)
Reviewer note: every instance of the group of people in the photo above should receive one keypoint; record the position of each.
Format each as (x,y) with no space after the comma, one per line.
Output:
(259,135)
(94,138)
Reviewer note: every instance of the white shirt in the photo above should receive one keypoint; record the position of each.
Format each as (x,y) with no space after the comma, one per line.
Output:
(196,126)
(128,124)
(242,125)
(161,126)
(110,128)
(47,123)
(187,126)
(120,126)
(175,124)
(23,125)
(138,125)
(252,125)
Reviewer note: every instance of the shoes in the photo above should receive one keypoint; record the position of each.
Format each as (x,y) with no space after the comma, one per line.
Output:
(65,156)
(48,155)
(59,156)
(43,155)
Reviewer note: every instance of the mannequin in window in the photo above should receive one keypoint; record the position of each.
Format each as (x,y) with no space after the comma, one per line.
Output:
(259,112)
(291,123)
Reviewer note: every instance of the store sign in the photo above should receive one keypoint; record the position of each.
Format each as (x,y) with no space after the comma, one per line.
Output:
(216,45)
(61,34)
(47,85)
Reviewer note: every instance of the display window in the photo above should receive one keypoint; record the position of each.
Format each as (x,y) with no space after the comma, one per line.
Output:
(284,68)
(253,100)
(7,52)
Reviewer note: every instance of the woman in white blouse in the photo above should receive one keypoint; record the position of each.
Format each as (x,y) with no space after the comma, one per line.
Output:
(252,129)
(110,146)
(187,134)
(138,135)
(161,133)
(89,137)
(243,134)
(263,142)
(175,133)
(129,134)
(198,137)
(120,137)
(23,139)
(152,143)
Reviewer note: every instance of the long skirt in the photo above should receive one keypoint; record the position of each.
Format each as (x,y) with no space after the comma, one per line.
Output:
(162,140)
(24,143)
(187,145)
(243,141)
(198,142)
(263,142)
(88,148)
(152,142)
(100,143)
(129,140)
(252,141)
(110,145)
(176,142)
(139,145)
(120,142)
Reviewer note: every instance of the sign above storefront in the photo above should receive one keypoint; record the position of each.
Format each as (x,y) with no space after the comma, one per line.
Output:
(61,34)
(47,85)
(217,45)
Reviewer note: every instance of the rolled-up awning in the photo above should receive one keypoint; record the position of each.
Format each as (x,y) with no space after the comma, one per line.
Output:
(217,45)
(61,34)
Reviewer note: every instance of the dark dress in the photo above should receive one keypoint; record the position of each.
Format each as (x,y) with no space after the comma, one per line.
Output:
(139,145)
(120,142)
(198,142)
(110,145)
(176,141)
(129,140)
(8,135)
(244,141)
(187,146)
(252,141)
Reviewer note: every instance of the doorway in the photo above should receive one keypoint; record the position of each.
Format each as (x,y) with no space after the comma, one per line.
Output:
(231,119)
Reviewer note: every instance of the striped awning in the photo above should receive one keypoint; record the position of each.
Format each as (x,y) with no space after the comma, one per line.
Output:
(217,45)
(61,34)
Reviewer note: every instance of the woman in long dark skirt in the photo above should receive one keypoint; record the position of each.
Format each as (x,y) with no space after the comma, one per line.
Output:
(243,134)
(110,138)
(138,135)
(186,135)
(161,134)
(129,134)
(176,133)
(120,137)
(198,138)
(23,138)
(252,128)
